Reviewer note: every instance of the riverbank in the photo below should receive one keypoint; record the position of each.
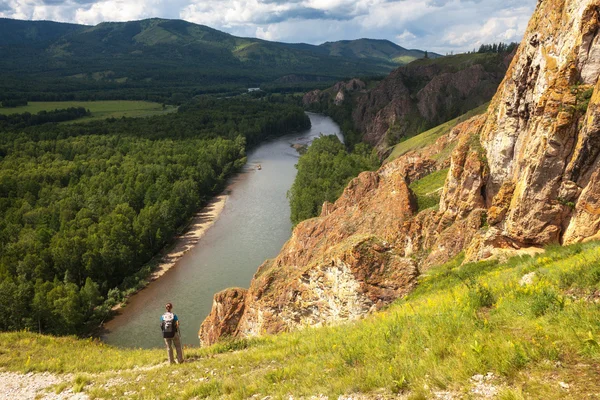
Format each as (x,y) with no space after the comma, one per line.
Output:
(200,223)
(193,232)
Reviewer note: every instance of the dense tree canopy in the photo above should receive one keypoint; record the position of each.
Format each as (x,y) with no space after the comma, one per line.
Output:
(323,173)
(497,47)
(19,121)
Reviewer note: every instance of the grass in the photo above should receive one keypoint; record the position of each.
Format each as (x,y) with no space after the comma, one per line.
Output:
(462,320)
(100,109)
(404,59)
(428,189)
(429,137)
(461,61)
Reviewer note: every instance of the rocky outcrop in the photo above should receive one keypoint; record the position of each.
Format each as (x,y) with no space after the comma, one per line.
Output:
(312,97)
(425,94)
(337,92)
(223,321)
(541,136)
(351,86)
(416,96)
(355,277)
(524,175)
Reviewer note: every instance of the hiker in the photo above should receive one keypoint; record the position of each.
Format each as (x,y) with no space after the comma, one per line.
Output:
(169,324)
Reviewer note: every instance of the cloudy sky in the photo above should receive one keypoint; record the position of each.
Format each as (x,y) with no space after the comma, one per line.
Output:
(435,25)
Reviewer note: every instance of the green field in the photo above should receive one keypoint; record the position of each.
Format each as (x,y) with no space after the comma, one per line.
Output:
(99,109)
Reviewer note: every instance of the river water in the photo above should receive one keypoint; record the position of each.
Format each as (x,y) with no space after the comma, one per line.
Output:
(254,225)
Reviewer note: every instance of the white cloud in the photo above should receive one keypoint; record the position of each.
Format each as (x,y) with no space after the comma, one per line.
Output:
(435,25)
(406,36)
(115,10)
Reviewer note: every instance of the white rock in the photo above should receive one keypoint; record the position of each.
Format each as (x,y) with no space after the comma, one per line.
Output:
(563,385)
(527,279)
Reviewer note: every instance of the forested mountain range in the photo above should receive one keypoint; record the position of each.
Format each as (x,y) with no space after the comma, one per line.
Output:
(159,59)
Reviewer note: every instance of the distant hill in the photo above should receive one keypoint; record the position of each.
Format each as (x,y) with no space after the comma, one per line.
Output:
(157,58)
(15,32)
(375,49)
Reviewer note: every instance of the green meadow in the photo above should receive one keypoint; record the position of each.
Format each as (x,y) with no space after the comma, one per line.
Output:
(100,109)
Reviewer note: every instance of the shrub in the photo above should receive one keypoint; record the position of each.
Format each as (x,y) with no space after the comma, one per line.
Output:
(545,301)
(481,296)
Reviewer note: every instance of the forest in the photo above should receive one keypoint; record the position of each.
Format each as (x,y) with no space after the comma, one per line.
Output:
(86,206)
(323,173)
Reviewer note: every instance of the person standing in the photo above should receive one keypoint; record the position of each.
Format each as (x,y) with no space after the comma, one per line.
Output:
(169,324)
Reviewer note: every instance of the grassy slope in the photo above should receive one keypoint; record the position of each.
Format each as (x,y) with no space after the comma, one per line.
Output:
(428,189)
(459,322)
(429,137)
(99,109)
(460,61)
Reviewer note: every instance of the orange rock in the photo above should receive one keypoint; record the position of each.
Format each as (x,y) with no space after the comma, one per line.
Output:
(228,307)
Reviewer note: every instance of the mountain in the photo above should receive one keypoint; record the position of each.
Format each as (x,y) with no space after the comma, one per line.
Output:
(375,49)
(522,176)
(149,58)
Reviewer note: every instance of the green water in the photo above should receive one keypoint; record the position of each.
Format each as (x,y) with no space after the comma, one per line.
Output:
(253,227)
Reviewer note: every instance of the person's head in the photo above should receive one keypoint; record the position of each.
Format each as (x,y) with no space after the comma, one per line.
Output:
(169,306)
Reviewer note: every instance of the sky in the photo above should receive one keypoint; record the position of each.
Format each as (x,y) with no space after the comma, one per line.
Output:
(442,26)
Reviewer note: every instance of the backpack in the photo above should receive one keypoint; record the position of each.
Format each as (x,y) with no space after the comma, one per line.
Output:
(168,325)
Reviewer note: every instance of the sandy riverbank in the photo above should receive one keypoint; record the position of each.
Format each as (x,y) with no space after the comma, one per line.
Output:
(200,223)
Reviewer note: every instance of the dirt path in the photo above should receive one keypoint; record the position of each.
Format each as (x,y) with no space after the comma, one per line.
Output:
(36,386)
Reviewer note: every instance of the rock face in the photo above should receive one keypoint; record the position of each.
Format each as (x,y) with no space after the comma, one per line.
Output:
(523,175)
(425,94)
(337,92)
(541,136)
(228,307)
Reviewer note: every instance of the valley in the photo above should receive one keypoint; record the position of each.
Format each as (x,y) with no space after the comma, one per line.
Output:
(444,244)
(255,221)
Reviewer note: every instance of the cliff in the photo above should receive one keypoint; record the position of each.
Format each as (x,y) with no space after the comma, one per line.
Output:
(427,93)
(420,95)
(524,175)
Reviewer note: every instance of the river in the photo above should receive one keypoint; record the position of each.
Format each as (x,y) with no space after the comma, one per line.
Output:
(253,226)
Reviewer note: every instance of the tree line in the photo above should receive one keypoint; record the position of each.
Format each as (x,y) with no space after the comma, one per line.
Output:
(22,120)
(323,173)
(84,207)
(13,103)
(498,47)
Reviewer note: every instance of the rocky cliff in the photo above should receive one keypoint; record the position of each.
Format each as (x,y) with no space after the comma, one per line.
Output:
(425,94)
(523,175)
(420,95)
